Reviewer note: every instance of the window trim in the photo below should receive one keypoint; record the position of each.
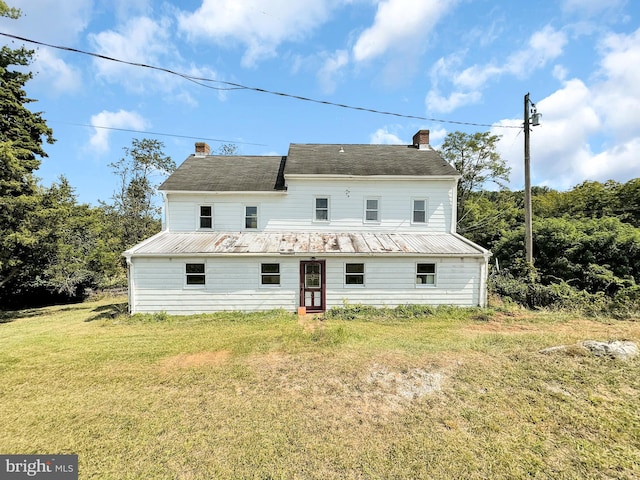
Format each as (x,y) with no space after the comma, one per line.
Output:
(202,274)
(363,275)
(413,210)
(377,210)
(315,209)
(272,274)
(246,217)
(434,274)
(200,217)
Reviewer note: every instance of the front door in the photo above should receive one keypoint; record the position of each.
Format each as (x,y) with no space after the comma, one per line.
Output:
(312,285)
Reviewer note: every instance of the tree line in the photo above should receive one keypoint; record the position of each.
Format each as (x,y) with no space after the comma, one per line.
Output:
(586,240)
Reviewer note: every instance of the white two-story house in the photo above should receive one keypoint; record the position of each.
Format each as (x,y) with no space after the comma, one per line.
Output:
(323,226)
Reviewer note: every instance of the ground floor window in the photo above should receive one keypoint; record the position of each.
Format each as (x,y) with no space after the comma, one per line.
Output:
(354,273)
(426,274)
(195,274)
(270,273)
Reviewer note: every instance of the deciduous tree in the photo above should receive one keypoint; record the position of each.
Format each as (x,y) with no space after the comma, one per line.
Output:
(476,158)
(134,202)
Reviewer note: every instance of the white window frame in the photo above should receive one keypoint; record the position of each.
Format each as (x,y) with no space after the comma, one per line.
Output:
(315,209)
(200,217)
(413,210)
(188,274)
(363,275)
(263,274)
(367,210)
(257,216)
(433,274)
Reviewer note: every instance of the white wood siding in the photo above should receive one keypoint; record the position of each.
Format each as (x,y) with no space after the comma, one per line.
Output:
(233,283)
(390,282)
(293,210)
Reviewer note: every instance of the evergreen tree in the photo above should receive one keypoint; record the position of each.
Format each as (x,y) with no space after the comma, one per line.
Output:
(22,133)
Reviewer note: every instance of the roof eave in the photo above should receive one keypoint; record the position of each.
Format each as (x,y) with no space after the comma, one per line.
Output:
(307,176)
(225,192)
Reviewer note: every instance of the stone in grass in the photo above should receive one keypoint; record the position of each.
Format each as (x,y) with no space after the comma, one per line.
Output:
(615,349)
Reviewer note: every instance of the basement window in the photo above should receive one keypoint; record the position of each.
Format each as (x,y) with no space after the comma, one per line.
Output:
(270,274)
(426,274)
(195,274)
(354,274)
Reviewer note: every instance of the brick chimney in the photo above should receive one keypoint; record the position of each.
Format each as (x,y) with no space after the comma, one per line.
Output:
(202,149)
(421,140)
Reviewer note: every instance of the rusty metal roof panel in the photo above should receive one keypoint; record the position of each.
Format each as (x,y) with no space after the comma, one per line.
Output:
(291,243)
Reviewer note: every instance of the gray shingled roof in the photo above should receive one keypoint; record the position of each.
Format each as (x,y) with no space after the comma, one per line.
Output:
(323,159)
(224,173)
(221,173)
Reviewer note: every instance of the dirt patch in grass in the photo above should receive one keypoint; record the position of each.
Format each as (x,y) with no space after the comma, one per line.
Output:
(354,389)
(199,359)
(309,322)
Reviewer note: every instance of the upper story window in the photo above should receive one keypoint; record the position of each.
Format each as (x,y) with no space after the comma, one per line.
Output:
(195,274)
(372,210)
(250,216)
(426,274)
(419,214)
(206,216)
(321,209)
(354,273)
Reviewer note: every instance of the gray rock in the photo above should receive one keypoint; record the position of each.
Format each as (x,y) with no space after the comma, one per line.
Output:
(615,349)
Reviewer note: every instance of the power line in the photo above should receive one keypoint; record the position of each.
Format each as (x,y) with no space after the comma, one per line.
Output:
(238,86)
(158,133)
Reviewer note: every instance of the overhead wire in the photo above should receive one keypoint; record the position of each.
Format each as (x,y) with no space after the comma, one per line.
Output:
(237,86)
(158,133)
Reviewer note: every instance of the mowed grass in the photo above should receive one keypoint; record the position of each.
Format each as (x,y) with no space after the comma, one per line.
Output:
(457,394)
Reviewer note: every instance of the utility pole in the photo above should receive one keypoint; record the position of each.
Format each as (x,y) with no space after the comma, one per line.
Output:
(528,228)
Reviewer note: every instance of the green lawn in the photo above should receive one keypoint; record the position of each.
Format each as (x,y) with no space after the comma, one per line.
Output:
(458,394)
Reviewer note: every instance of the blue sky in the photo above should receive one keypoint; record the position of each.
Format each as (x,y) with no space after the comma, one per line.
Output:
(444,60)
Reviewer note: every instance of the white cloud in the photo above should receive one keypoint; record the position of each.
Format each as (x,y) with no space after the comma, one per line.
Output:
(258,26)
(139,40)
(382,136)
(437,136)
(398,25)
(331,69)
(591,7)
(584,134)
(71,19)
(59,76)
(543,46)
(99,142)
(618,94)
(439,103)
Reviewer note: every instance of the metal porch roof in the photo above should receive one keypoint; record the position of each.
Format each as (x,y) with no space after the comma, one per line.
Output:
(304,243)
